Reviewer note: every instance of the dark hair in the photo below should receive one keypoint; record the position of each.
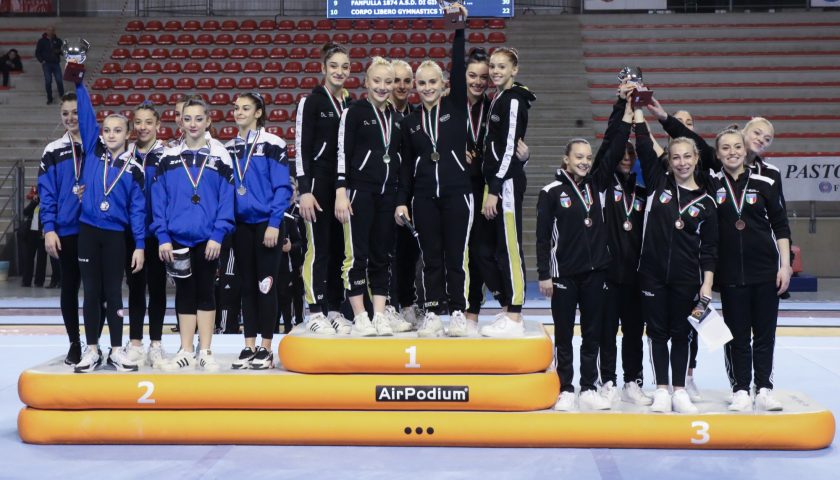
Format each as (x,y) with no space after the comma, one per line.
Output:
(194,101)
(329,49)
(477,55)
(68,97)
(148,105)
(259,103)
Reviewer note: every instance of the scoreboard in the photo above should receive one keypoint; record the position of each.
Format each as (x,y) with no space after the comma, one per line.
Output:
(413,8)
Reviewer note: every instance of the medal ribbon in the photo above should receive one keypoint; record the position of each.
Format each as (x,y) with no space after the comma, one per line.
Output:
(108,162)
(474,127)
(585,200)
(384,127)
(195,181)
(240,172)
(683,209)
(738,205)
(431,129)
(150,150)
(337,105)
(628,210)
(77,163)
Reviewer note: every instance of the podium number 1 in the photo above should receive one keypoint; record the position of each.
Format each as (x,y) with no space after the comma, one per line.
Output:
(412,357)
(146,398)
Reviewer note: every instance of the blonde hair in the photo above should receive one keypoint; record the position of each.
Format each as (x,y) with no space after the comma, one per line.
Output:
(120,117)
(434,66)
(685,141)
(755,120)
(575,141)
(401,63)
(510,52)
(379,62)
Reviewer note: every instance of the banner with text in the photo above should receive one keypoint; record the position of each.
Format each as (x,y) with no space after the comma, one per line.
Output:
(26,6)
(413,8)
(825,3)
(809,178)
(625,4)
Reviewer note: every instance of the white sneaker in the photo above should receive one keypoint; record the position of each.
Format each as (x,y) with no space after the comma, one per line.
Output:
(263,359)
(609,392)
(91,360)
(431,326)
(319,325)
(565,402)
(118,358)
(398,323)
(661,401)
(458,325)
(207,361)
(590,400)
(244,361)
(633,393)
(382,325)
(341,325)
(681,402)
(766,402)
(156,356)
(504,327)
(693,391)
(741,402)
(362,327)
(183,359)
(136,354)
(413,315)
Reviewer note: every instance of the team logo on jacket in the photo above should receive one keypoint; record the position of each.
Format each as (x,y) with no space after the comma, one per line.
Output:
(260,150)
(721,195)
(618,194)
(565,201)
(665,197)
(693,211)
(638,205)
(444,118)
(265,285)
(752,198)
(495,117)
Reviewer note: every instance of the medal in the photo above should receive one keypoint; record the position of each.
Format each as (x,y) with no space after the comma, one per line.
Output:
(77,164)
(242,190)
(628,209)
(679,224)
(740,224)
(431,129)
(385,130)
(737,204)
(195,198)
(628,225)
(106,189)
(587,221)
(386,158)
(104,206)
(76,188)
(585,198)
(240,171)
(195,181)
(435,157)
(475,126)
(337,105)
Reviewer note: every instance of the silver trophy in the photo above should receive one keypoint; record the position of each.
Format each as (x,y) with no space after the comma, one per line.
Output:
(75,54)
(631,74)
(453,17)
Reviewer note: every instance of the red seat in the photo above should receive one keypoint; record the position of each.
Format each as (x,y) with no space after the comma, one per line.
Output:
(172,67)
(132,68)
(324,24)
(96,99)
(135,99)
(179,53)
(227,133)
(267,25)
(397,52)
(166,39)
(229,114)
(248,25)
(437,52)
(476,24)
(212,67)
(238,53)
(356,67)
(358,52)
(192,25)
(360,38)
(286,25)
(308,83)
(123,84)
(140,53)
(379,38)
(144,83)
(199,53)
(220,98)
(399,38)
(232,67)
(497,37)
(185,39)
(247,83)
(258,53)
(278,131)
(278,53)
(127,40)
(302,39)
(273,67)
(300,96)
(267,83)
(290,150)
(111,68)
(293,67)
(306,25)
(437,37)
(224,39)
(210,26)
(278,115)
(418,38)
(343,24)
(114,100)
(160,54)
(262,39)
(352,83)
(205,39)
(381,24)
(282,39)
(129,114)
(157,98)
(477,37)
(496,23)
(164,83)
(290,133)
(167,116)
(205,83)
(284,99)
(252,67)
(153,26)
(218,53)
(172,26)
(216,115)
(101,114)
(102,84)
(165,133)
(320,38)
(438,24)
(185,83)
(420,24)
(226,83)
(312,67)
(230,25)
(399,24)
(134,26)
(192,67)
(176,97)
(120,54)
(378,52)
(341,38)
(362,25)
(414,98)
(415,64)
(243,39)
(315,53)
(297,53)
(288,83)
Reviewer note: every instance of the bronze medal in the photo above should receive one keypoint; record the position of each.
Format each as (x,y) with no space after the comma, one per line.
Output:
(435,156)
(740,224)
(195,199)
(628,225)
(587,221)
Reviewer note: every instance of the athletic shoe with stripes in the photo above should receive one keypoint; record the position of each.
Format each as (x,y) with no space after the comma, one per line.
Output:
(183,359)
(263,359)
(244,361)
(90,361)
(341,325)
(319,325)
(382,325)
(206,361)
(119,359)
(398,323)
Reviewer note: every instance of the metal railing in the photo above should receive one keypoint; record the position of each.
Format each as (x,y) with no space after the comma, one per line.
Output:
(13,203)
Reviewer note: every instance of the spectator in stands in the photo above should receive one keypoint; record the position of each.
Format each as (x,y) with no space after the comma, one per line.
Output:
(48,52)
(10,62)
(33,242)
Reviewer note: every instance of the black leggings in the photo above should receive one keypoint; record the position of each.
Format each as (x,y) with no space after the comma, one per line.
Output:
(196,292)
(665,308)
(228,293)
(257,267)
(152,276)
(71,279)
(324,252)
(99,254)
(484,270)
(622,302)
(750,309)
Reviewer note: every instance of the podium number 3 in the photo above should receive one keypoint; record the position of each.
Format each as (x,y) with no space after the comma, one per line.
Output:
(412,357)
(146,398)
(701,430)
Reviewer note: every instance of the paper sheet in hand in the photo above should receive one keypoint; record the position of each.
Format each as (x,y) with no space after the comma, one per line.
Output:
(711,329)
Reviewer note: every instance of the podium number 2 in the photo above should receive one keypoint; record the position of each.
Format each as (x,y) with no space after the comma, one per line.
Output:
(701,430)
(146,398)
(412,357)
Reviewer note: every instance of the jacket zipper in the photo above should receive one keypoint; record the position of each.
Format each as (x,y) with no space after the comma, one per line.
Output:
(364,162)
(323,147)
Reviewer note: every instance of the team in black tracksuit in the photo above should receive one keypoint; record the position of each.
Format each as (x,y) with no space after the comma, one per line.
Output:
(369,173)
(507,121)
(623,211)
(436,177)
(673,259)
(316,143)
(748,263)
(290,287)
(572,252)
